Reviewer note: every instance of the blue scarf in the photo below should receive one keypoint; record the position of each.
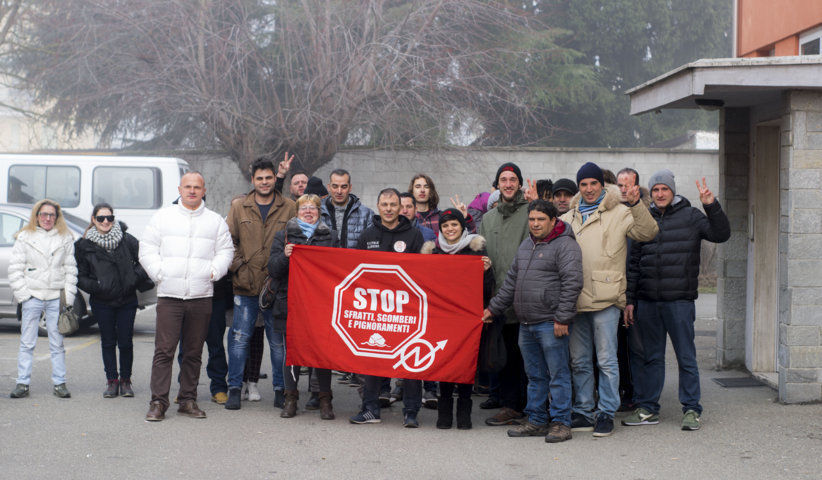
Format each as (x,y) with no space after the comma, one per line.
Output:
(586,209)
(307,228)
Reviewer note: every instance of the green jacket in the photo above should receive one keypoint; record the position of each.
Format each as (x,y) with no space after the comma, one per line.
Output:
(504,229)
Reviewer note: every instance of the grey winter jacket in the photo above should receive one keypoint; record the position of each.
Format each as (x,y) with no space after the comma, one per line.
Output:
(544,280)
(357,219)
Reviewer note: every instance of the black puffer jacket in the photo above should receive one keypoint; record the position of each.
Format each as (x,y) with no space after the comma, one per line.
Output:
(475,247)
(404,238)
(278,263)
(111,278)
(667,268)
(544,280)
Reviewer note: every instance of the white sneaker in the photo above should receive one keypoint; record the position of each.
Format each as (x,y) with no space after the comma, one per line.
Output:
(245,390)
(253,393)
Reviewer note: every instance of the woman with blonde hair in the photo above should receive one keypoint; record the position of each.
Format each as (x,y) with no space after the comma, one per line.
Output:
(41,266)
(304,229)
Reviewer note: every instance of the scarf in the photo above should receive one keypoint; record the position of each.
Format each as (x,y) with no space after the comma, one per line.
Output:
(586,209)
(108,241)
(451,249)
(307,228)
(509,208)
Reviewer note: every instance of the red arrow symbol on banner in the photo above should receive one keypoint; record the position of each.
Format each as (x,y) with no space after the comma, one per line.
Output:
(416,352)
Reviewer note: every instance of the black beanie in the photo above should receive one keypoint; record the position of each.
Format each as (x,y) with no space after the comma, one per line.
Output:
(315,186)
(451,214)
(590,170)
(508,167)
(565,184)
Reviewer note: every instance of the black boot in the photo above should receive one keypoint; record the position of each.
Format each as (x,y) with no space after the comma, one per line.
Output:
(464,413)
(445,412)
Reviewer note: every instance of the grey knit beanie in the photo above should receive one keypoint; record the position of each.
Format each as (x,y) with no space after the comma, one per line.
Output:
(665,177)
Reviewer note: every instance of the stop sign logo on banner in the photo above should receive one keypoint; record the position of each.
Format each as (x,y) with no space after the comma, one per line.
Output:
(380,312)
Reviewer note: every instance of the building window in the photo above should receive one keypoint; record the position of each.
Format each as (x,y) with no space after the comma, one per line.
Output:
(809,42)
(810,48)
(127,187)
(32,183)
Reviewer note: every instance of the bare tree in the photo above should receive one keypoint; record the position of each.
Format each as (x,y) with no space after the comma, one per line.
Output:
(9,9)
(261,77)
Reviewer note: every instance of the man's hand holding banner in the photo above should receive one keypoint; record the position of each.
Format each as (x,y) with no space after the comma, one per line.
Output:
(386,314)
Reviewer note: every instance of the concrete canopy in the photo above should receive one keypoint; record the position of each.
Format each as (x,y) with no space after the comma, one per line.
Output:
(731,82)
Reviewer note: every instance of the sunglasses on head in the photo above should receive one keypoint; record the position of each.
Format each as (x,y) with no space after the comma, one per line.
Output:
(103,218)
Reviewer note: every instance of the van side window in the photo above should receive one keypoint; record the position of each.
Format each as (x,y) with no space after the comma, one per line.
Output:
(31,183)
(127,187)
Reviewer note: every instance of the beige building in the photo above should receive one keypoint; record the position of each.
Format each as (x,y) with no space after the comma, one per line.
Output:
(24,133)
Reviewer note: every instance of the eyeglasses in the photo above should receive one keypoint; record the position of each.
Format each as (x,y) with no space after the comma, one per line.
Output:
(47,215)
(305,208)
(103,218)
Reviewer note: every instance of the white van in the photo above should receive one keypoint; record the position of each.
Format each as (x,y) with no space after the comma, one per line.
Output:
(135,186)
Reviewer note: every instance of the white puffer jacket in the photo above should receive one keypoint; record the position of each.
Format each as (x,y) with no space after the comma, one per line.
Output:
(42,263)
(184,251)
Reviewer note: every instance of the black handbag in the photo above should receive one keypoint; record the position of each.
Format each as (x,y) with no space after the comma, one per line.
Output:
(492,353)
(266,299)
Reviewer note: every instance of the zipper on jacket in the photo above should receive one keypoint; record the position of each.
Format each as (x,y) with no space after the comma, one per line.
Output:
(188,256)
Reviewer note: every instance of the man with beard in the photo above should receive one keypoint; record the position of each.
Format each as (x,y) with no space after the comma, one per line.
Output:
(504,228)
(253,220)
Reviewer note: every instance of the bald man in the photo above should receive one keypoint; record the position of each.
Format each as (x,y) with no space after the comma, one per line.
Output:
(184,249)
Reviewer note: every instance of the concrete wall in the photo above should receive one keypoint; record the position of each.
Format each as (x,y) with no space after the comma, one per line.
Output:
(800,319)
(466,172)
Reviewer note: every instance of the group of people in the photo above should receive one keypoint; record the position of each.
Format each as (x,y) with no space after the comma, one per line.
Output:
(575,273)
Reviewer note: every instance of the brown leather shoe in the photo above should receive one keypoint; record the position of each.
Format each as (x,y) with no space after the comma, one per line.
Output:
(506,416)
(156,412)
(326,410)
(189,408)
(290,407)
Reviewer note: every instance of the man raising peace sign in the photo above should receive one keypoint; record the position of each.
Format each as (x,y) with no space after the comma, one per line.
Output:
(662,283)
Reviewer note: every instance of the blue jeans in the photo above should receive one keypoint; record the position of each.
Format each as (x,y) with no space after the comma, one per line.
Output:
(32,308)
(217,367)
(654,320)
(411,394)
(116,331)
(246,309)
(546,359)
(595,331)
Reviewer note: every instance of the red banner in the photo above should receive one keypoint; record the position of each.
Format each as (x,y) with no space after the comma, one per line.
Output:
(394,315)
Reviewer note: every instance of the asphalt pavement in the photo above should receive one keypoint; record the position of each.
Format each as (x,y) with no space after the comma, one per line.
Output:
(745,432)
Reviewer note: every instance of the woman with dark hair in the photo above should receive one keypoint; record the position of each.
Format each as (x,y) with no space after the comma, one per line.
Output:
(109,271)
(305,229)
(454,239)
(41,268)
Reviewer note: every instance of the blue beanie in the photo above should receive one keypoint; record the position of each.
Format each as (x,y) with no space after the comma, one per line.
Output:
(590,170)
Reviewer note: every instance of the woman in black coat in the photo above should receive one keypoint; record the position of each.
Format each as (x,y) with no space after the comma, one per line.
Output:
(109,271)
(454,239)
(305,229)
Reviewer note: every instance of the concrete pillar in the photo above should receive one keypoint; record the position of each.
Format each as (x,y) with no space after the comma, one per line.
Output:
(734,156)
(800,239)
